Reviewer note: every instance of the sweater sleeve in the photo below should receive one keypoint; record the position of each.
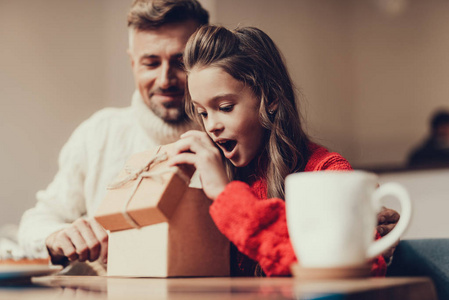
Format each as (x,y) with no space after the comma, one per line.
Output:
(258,228)
(61,203)
(379,266)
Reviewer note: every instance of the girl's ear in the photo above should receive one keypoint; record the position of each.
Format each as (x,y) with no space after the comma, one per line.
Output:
(272,108)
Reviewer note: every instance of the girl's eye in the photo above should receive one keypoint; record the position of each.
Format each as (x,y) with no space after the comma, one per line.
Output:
(202,114)
(227,108)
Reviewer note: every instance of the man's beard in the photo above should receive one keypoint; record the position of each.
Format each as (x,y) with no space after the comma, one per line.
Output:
(170,113)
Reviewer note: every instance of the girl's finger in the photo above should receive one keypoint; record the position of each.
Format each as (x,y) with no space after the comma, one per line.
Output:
(188,144)
(181,146)
(183,158)
(192,133)
(200,135)
(193,144)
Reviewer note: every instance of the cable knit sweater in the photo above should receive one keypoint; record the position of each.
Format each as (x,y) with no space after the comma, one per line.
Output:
(257,226)
(91,158)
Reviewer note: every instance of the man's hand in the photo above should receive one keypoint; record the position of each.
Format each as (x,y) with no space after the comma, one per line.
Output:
(386,221)
(83,240)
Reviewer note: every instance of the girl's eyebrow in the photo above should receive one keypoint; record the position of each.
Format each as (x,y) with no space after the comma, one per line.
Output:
(219,97)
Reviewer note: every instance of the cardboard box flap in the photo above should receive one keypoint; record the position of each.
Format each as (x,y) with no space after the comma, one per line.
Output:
(146,191)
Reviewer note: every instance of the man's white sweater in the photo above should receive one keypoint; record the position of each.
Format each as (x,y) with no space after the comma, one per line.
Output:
(88,162)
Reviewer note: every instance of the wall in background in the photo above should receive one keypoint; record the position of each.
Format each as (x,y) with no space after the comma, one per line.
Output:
(401,74)
(370,75)
(52,76)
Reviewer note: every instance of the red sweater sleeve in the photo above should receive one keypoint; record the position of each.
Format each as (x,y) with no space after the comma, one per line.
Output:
(258,226)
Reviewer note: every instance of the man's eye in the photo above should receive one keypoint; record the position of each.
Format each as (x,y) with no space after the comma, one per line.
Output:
(226,108)
(151,64)
(178,64)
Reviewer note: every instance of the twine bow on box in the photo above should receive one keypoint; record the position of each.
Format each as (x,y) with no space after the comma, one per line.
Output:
(144,172)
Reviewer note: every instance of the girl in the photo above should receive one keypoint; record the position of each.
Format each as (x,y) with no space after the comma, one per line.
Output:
(240,91)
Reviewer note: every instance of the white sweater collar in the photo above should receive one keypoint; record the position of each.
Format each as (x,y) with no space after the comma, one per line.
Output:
(156,128)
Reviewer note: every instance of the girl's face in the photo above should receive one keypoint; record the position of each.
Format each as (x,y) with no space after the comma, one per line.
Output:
(230,113)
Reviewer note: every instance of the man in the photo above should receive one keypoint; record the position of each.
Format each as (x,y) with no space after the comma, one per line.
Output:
(61,224)
(434,151)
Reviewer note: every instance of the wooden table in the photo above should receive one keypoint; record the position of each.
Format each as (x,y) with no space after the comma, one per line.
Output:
(88,287)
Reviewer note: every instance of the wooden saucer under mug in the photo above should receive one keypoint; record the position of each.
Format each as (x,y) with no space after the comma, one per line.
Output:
(303,273)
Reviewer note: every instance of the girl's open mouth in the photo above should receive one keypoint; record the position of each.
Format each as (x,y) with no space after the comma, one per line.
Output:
(227,145)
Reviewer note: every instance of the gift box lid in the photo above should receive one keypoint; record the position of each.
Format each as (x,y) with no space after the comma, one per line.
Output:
(147,191)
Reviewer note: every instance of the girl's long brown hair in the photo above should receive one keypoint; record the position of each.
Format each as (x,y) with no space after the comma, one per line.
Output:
(250,56)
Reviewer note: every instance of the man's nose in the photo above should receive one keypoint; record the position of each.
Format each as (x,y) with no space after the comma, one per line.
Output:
(167,76)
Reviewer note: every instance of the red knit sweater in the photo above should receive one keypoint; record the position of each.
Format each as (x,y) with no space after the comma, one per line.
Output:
(257,226)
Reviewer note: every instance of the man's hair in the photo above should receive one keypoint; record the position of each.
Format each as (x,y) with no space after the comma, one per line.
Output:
(250,56)
(152,14)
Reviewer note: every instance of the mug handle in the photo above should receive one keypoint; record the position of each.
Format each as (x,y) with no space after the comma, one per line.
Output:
(397,190)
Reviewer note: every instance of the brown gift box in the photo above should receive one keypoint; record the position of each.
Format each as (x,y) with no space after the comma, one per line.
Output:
(160,227)
(145,192)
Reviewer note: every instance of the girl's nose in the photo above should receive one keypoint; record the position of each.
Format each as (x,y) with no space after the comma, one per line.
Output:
(213,124)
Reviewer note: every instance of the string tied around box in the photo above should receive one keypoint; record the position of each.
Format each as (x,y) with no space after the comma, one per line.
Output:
(139,174)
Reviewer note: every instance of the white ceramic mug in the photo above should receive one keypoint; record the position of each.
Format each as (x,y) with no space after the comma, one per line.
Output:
(332,217)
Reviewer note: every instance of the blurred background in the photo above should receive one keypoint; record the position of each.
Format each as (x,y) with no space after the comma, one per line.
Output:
(371,72)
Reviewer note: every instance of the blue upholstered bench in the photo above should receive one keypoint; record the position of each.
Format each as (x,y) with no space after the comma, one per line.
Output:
(426,257)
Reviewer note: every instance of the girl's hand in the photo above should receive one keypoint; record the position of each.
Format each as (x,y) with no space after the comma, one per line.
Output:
(196,148)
